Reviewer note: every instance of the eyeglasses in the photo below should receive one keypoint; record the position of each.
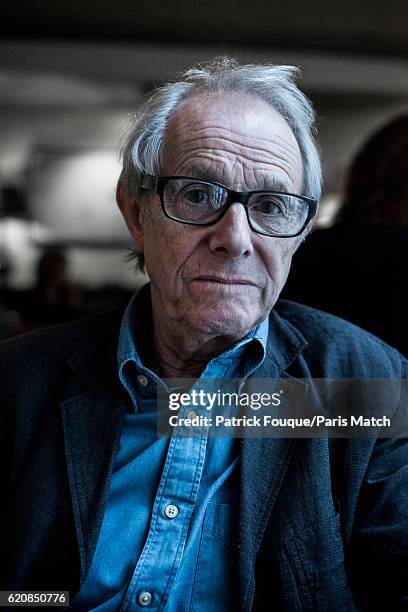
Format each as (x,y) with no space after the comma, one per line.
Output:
(195,202)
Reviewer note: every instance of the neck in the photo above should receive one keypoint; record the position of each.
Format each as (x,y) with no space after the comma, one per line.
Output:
(182,355)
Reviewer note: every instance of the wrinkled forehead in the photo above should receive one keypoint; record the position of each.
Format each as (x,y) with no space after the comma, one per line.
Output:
(235,139)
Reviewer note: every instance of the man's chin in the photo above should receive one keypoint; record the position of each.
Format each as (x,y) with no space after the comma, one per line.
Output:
(233,324)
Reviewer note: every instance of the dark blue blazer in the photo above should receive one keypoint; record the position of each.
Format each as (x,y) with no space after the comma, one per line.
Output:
(323,523)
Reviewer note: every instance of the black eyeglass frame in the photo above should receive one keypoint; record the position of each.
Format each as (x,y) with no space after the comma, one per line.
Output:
(157,184)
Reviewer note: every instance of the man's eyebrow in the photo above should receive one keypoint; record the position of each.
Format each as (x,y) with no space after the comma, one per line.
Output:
(216,174)
(271,183)
(201,172)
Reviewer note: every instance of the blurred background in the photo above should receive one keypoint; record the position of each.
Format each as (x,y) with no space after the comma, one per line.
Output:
(71,74)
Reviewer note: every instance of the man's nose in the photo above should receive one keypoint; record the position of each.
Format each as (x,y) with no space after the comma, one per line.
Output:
(232,233)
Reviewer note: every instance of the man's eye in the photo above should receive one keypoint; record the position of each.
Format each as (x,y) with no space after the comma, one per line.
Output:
(268,207)
(196,196)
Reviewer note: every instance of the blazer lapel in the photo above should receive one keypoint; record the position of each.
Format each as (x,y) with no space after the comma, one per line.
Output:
(92,427)
(264,460)
(264,463)
(92,409)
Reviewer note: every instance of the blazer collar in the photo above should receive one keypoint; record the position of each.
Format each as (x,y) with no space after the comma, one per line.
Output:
(95,363)
(285,343)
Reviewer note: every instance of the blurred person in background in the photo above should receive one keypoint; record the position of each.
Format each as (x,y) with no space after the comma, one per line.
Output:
(8,318)
(12,322)
(54,298)
(357,269)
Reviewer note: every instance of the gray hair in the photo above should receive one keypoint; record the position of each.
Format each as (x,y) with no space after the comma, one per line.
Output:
(143,147)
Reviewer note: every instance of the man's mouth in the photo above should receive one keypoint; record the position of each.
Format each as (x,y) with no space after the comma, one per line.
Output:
(223,280)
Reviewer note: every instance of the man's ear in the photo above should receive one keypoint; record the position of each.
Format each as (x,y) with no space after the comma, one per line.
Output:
(132,214)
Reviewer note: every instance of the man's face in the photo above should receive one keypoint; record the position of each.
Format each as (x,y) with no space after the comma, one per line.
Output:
(224,279)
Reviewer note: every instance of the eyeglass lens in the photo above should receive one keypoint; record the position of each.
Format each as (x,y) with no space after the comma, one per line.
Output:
(202,203)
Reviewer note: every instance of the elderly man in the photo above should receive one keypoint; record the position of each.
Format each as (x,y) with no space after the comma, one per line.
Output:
(220,182)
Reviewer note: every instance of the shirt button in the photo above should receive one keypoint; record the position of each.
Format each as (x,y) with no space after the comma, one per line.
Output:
(171,511)
(191,414)
(145,598)
(142,380)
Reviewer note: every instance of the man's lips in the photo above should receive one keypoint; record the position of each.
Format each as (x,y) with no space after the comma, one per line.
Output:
(224,281)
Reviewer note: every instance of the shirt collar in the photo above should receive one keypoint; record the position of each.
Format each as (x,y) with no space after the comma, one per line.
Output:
(136,331)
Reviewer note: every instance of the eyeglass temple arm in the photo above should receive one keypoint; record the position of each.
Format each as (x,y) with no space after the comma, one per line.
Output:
(149,182)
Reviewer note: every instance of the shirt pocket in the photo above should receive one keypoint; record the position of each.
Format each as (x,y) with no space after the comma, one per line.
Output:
(215,584)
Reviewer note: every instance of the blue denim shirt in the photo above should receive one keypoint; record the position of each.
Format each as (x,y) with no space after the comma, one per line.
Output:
(168,530)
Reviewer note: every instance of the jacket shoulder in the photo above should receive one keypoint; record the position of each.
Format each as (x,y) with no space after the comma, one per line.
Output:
(44,352)
(338,348)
